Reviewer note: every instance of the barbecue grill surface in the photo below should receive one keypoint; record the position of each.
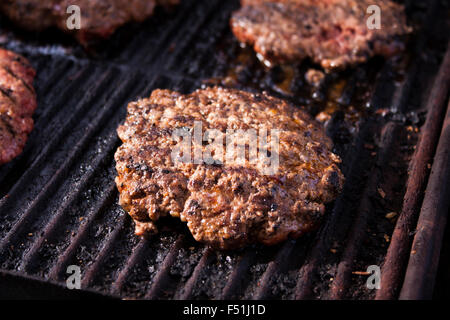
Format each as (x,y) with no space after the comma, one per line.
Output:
(58,201)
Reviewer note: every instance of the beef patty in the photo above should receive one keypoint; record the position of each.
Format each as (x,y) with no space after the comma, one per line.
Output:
(228,203)
(333,33)
(17,104)
(99,18)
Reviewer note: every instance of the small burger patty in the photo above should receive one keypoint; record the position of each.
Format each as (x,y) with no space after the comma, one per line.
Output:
(333,33)
(99,18)
(225,204)
(17,104)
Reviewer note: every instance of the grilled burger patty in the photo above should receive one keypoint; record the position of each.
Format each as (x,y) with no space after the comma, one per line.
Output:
(333,33)
(17,104)
(99,18)
(231,204)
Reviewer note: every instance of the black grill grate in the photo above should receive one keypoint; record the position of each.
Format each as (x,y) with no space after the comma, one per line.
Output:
(59,205)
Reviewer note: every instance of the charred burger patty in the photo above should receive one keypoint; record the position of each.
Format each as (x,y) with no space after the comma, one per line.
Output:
(226,204)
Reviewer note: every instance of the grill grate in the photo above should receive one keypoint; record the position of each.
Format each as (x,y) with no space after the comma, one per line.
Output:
(59,205)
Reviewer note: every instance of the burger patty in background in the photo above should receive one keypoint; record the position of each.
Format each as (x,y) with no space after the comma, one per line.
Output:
(332,33)
(99,18)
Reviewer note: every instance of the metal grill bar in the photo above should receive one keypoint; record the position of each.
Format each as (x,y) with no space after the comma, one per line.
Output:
(160,279)
(136,257)
(236,279)
(325,238)
(266,285)
(400,244)
(399,100)
(105,251)
(423,261)
(60,174)
(58,218)
(187,291)
(358,232)
(56,272)
(162,42)
(45,118)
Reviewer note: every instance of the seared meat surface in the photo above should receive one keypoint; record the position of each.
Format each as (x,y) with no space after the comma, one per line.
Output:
(99,18)
(333,33)
(17,104)
(226,204)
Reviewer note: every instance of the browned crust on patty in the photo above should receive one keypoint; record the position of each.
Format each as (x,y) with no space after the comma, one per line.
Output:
(225,205)
(333,33)
(17,104)
(99,18)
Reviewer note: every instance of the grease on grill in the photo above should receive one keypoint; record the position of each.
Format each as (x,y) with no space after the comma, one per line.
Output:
(321,94)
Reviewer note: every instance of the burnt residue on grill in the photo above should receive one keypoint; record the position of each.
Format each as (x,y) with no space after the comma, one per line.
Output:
(59,205)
